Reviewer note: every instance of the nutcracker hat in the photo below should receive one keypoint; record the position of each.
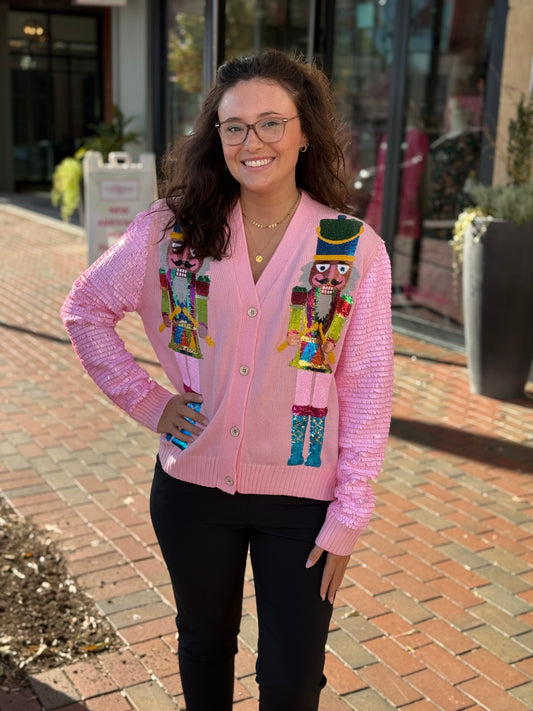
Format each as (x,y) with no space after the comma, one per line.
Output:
(177,233)
(337,239)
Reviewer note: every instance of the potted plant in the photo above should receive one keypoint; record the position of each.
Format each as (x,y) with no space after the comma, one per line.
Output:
(494,240)
(68,174)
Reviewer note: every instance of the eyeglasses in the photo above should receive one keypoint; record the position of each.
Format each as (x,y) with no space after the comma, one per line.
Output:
(269,129)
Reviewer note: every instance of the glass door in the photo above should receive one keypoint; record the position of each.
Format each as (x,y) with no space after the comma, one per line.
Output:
(360,60)
(252,25)
(438,122)
(185,61)
(55,64)
(443,116)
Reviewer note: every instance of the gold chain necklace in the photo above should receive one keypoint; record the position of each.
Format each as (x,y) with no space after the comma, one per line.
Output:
(259,257)
(274,224)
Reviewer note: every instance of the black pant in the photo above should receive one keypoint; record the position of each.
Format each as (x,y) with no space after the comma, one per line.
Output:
(204,536)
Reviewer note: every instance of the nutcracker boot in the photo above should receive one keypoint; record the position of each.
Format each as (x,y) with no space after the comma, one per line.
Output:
(316,435)
(300,417)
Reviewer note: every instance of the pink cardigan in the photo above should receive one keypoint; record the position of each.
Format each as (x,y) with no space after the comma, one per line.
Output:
(283,419)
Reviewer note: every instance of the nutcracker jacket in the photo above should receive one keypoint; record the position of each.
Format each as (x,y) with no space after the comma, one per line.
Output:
(295,371)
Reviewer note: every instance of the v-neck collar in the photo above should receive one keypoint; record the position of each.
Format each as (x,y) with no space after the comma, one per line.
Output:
(276,263)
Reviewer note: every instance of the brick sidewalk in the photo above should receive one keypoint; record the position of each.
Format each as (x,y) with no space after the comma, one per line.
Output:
(436,608)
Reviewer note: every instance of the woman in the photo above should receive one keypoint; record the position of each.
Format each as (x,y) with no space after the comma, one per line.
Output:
(269,311)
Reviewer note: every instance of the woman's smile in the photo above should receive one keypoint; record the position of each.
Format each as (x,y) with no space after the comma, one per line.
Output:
(257,162)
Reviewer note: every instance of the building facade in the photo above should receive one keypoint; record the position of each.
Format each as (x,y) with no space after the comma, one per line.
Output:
(425,88)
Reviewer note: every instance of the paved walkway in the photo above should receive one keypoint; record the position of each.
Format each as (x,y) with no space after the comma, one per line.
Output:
(436,611)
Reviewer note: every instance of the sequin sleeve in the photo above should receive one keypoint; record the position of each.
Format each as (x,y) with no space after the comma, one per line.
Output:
(364,380)
(99,298)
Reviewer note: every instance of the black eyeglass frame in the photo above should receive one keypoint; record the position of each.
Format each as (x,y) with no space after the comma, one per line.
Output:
(252,126)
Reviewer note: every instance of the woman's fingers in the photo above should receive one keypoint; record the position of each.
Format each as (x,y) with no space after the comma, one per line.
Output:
(179,417)
(333,572)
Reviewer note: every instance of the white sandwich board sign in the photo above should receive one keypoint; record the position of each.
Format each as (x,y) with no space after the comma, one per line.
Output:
(114,192)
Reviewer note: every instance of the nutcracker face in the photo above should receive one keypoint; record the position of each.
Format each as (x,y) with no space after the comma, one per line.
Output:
(183,260)
(330,276)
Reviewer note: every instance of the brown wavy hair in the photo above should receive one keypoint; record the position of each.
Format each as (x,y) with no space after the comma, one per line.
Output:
(200,190)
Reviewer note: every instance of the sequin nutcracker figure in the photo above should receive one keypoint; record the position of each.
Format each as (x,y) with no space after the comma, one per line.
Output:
(184,294)
(317,316)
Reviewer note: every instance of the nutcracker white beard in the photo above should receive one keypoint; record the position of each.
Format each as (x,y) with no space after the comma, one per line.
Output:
(323,305)
(180,288)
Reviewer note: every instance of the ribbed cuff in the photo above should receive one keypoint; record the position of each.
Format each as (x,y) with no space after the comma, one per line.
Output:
(148,412)
(337,538)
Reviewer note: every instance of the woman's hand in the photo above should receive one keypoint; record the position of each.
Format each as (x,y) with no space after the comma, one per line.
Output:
(333,572)
(173,420)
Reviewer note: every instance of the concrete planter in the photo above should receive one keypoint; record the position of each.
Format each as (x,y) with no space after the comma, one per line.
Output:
(498,308)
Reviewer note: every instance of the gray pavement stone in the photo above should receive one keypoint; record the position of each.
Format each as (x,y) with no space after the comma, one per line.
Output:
(509,625)
(508,650)
(524,694)
(431,520)
(54,689)
(506,560)
(127,602)
(73,495)
(348,650)
(506,601)
(526,640)
(508,581)
(138,615)
(405,606)
(367,700)
(43,465)
(16,462)
(356,625)
(32,490)
(510,514)
(149,696)
(59,453)
(464,556)
(249,631)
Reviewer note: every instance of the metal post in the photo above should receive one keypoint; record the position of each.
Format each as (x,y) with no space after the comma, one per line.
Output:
(395,124)
(494,77)
(159,76)
(215,15)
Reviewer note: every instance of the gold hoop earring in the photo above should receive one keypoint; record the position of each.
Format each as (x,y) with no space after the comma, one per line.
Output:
(304,148)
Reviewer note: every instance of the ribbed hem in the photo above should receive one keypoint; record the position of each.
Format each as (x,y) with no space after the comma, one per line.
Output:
(301,481)
(148,412)
(251,478)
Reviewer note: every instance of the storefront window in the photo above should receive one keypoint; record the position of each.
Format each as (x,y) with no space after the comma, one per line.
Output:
(442,119)
(185,64)
(55,64)
(360,75)
(252,25)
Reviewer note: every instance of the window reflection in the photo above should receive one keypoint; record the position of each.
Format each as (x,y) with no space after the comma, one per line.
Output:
(442,119)
(185,64)
(252,25)
(55,63)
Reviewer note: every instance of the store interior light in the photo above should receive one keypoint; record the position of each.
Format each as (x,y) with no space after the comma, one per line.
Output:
(33,28)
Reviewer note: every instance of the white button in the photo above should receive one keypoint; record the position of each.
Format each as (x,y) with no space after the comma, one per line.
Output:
(252,311)
(229,481)
(244,370)
(235,431)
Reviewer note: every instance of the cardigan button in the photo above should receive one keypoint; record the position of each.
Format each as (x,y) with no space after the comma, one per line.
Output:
(244,370)
(235,431)
(252,312)
(229,481)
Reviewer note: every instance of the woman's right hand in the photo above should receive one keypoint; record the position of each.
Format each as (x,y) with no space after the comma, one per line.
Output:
(173,420)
